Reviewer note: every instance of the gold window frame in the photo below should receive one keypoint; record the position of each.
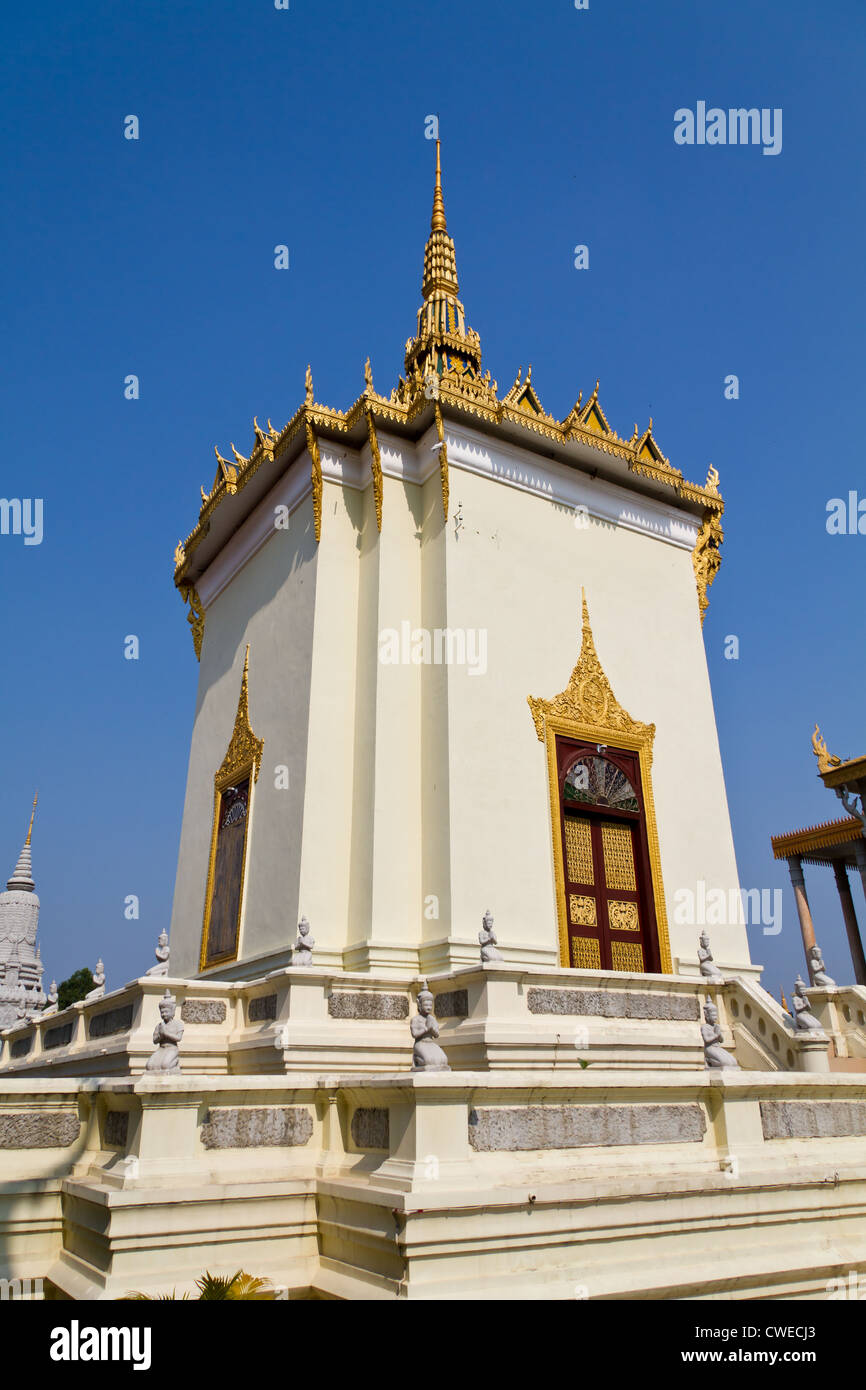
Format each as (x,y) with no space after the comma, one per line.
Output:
(589,711)
(243,758)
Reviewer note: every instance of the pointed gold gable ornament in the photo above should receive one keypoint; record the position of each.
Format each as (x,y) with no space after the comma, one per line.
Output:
(244,750)
(588,698)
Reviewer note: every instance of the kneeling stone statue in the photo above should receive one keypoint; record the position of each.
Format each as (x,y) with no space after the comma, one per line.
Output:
(166,1035)
(714,1054)
(804,1020)
(818,970)
(708,967)
(427,1055)
(487,939)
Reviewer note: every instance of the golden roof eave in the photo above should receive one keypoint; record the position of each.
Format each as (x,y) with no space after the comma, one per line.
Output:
(337,424)
(816,837)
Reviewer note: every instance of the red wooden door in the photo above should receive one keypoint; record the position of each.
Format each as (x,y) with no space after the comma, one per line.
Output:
(609,909)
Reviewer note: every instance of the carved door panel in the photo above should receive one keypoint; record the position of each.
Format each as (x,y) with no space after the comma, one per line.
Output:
(609,909)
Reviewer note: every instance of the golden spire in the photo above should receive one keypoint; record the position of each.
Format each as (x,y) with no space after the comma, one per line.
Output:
(437,220)
(440,265)
(32,814)
(443,342)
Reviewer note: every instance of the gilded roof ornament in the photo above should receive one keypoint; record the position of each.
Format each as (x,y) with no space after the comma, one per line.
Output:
(588,698)
(308,385)
(266,441)
(316,475)
(443,457)
(195,616)
(373,438)
(706,559)
(444,346)
(226,474)
(239,458)
(244,750)
(826,759)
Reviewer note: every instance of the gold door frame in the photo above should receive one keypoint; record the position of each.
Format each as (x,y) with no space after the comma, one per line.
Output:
(243,758)
(589,711)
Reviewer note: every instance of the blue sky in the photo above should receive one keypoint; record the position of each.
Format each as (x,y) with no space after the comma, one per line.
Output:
(306,127)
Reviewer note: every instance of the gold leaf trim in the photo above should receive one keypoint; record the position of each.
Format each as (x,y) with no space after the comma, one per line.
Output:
(316,475)
(443,457)
(244,750)
(706,559)
(376,465)
(195,616)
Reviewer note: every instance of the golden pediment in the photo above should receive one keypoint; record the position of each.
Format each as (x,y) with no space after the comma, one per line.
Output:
(588,698)
(245,750)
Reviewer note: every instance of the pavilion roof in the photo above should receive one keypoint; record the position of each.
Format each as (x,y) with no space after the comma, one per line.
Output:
(820,844)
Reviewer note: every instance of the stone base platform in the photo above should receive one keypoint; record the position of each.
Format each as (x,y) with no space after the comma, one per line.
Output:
(539,1184)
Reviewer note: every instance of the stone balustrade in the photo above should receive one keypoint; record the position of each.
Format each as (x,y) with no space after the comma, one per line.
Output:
(492,1017)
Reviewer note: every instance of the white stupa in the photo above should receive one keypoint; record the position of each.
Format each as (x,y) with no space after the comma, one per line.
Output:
(21,968)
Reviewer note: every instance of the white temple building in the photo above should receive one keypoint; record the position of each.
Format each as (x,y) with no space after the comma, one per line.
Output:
(467,641)
(451,659)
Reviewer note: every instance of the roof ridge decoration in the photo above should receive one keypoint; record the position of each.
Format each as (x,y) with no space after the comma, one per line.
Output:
(525,397)
(244,750)
(826,759)
(588,698)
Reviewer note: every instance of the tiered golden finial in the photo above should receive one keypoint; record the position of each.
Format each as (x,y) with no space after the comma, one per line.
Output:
(443,342)
(32,815)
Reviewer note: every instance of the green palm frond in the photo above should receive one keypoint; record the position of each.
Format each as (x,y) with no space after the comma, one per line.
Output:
(238,1286)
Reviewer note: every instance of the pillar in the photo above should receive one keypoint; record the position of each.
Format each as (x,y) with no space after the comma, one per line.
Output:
(855,943)
(795,869)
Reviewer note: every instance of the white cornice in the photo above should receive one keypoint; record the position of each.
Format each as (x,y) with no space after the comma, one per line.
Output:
(568,487)
(469,450)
